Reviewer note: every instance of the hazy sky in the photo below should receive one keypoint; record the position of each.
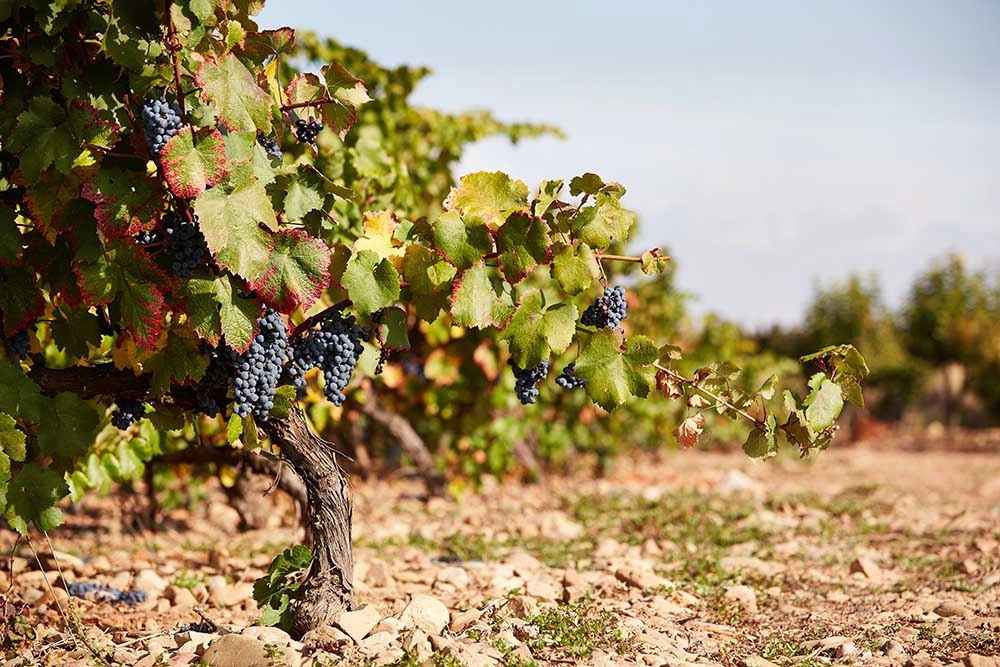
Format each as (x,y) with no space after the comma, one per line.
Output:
(768,145)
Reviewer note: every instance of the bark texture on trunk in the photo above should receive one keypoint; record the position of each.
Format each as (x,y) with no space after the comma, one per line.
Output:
(329,587)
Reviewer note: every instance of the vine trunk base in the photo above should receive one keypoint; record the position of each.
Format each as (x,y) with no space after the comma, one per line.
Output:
(329,586)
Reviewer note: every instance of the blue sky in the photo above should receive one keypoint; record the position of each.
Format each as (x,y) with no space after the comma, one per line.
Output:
(768,145)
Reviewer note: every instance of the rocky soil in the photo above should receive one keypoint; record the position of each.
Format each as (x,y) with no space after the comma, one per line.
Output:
(863,556)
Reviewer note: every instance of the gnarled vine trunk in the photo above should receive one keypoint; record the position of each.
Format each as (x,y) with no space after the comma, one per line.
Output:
(329,586)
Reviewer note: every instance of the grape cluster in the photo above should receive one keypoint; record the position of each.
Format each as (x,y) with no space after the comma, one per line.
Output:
(187,243)
(127,412)
(334,348)
(568,379)
(80,589)
(607,311)
(257,370)
(525,380)
(306,132)
(18,346)
(214,383)
(269,145)
(145,237)
(163,121)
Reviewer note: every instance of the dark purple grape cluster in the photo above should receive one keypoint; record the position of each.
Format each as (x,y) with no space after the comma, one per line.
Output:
(568,379)
(80,589)
(334,348)
(307,131)
(18,346)
(186,242)
(269,145)
(162,121)
(525,380)
(213,385)
(258,369)
(127,412)
(607,311)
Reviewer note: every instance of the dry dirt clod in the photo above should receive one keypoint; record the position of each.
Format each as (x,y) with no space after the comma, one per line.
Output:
(743,597)
(464,619)
(946,609)
(867,567)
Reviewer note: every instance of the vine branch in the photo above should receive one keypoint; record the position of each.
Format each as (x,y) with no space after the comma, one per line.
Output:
(674,375)
(174,45)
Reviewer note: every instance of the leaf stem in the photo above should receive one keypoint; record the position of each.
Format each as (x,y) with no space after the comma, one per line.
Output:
(174,47)
(320,101)
(709,394)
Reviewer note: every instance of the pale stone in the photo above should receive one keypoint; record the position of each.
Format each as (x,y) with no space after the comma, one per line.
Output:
(268,635)
(543,589)
(377,642)
(357,624)
(743,597)
(640,578)
(867,567)
(453,576)
(757,661)
(521,606)
(427,613)
(976,660)
(179,597)
(953,609)
(235,651)
(230,596)
(464,619)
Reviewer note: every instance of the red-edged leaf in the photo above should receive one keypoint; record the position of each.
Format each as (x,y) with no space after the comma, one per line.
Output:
(48,197)
(259,45)
(124,270)
(229,86)
(193,161)
(128,202)
(20,298)
(298,272)
(343,91)
(523,244)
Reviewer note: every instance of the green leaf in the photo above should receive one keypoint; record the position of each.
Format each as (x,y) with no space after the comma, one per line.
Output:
(489,196)
(228,85)
(653,262)
(614,375)
(250,435)
(19,396)
(69,427)
(589,184)
(371,281)
(796,427)
(429,281)
(32,496)
(285,399)
(463,244)
(42,138)
(10,236)
(535,332)
(523,244)
(604,223)
(575,268)
(269,43)
(11,440)
(178,362)
(762,443)
(236,221)
(766,390)
(128,202)
(193,160)
(215,309)
(392,329)
(548,194)
(76,331)
(298,271)
(234,428)
(21,299)
(480,300)
(301,191)
(340,92)
(824,403)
